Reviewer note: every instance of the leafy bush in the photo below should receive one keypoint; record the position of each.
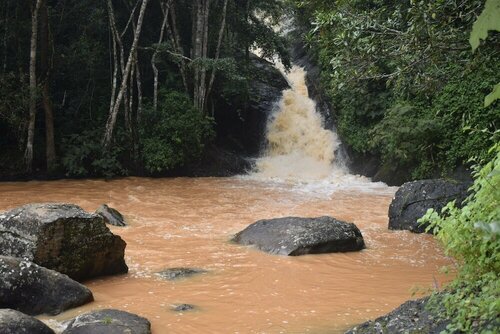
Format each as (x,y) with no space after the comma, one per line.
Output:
(84,156)
(13,107)
(471,235)
(173,135)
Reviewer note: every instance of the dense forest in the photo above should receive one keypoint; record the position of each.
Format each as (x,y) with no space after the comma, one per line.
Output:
(123,87)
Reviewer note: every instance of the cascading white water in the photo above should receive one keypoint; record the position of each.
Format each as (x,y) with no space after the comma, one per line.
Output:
(300,151)
(299,147)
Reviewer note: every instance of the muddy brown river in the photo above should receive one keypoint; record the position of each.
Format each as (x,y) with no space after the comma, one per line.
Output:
(185,222)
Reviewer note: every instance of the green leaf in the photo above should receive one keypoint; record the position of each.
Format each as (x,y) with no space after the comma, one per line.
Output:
(488,20)
(494,95)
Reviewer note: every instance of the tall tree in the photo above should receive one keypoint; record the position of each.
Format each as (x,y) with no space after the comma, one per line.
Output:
(46,67)
(110,124)
(165,8)
(28,154)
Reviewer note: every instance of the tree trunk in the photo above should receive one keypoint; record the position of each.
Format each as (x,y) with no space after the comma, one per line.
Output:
(110,124)
(165,10)
(176,41)
(204,56)
(197,51)
(219,44)
(28,154)
(5,36)
(50,150)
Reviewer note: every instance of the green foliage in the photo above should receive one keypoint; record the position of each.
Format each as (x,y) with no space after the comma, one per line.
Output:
(493,96)
(488,20)
(407,137)
(84,156)
(13,106)
(471,235)
(174,135)
(403,82)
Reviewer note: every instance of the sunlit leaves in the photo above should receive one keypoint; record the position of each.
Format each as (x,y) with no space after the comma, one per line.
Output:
(488,20)
(493,96)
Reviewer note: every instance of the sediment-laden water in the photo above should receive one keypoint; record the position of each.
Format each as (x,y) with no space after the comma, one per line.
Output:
(188,222)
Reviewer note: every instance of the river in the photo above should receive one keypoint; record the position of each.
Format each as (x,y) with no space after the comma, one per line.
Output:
(188,222)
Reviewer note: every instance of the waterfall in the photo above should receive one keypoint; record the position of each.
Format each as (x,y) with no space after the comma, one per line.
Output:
(298,145)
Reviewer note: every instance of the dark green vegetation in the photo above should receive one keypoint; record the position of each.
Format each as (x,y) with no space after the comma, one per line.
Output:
(122,87)
(471,235)
(403,81)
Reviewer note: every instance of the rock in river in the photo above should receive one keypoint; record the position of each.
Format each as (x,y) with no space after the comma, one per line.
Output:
(173,274)
(111,216)
(62,237)
(183,307)
(411,317)
(108,321)
(299,236)
(14,322)
(413,200)
(31,289)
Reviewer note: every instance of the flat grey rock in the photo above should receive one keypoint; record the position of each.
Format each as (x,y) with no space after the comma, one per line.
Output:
(183,307)
(108,321)
(299,236)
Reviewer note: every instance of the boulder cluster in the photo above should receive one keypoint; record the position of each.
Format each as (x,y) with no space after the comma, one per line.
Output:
(46,251)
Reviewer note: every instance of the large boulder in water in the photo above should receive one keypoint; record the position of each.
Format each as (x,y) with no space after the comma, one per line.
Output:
(29,288)
(108,321)
(413,199)
(14,322)
(62,237)
(299,236)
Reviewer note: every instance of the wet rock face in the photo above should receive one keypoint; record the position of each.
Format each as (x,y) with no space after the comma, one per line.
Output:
(173,274)
(299,236)
(111,216)
(217,162)
(62,237)
(29,288)
(411,317)
(413,200)
(241,116)
(14,322)
(108,322)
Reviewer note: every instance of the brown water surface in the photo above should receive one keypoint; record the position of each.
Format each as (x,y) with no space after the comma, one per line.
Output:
(188,222)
